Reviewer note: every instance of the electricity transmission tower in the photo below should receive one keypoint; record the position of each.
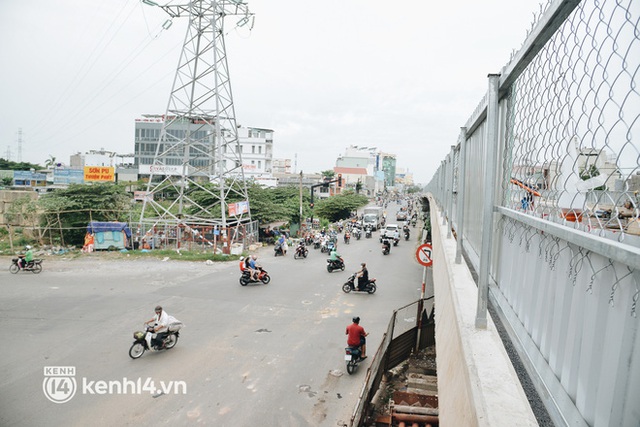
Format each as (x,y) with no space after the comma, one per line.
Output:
(198,156)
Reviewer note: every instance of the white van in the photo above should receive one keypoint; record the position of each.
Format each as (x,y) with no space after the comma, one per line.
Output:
(389,231)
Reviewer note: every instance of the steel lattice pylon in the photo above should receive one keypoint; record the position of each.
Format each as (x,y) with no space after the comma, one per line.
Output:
(198,144)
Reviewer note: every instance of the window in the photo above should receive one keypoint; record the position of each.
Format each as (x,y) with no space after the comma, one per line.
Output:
(253,149)
(260,149)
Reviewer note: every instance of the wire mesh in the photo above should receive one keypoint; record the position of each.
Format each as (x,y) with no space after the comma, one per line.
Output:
(567,235)
(572,154)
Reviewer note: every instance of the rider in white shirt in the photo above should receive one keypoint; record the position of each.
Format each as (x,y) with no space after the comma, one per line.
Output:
(160,324)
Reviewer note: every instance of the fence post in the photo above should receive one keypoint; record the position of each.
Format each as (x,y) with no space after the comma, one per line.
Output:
(489,200)
(452,168)
(460,195)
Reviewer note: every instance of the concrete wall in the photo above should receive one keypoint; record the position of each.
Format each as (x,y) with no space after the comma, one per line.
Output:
(477,385)
(7,198)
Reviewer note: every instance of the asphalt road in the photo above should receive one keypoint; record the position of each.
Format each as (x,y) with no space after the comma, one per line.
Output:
(260,355)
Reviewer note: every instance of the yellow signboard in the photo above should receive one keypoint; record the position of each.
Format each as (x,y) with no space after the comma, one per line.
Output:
(99,173)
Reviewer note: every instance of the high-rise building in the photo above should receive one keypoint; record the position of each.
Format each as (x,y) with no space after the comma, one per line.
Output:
(256,145)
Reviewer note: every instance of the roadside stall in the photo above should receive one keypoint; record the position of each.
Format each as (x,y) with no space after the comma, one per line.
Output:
(110,235)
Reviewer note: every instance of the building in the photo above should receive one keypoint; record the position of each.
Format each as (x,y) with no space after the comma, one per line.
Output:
(256,146)
(281,166)
(360,164)
(387,164)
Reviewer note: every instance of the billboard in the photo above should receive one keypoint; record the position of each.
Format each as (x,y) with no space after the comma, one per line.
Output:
(238,208)
(99,174)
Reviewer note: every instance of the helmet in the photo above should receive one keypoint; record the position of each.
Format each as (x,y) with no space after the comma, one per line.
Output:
(158,308)
(356,320)
(28,246)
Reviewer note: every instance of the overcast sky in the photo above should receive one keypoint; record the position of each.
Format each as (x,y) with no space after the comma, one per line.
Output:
(400,76)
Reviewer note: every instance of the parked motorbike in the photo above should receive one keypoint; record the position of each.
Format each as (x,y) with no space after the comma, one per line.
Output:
(163,341)
(351,286)
(34,266)
(335,265)
(352,357)
(263,277)
(301,252)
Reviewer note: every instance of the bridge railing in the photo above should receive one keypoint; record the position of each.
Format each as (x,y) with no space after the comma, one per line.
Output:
(542,191)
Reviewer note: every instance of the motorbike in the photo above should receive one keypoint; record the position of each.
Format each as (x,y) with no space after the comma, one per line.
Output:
(278,250)
(316,244)
(301,252)
(406,234)
(163,341)
(386,247)
(352,357)
(357,233)
(347,237)
(350,285)
(367,232)
(330,245)
(396,240)
(263,277)
(34,266)
(335,265)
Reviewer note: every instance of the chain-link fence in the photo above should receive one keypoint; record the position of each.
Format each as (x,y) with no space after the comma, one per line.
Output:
(541,189)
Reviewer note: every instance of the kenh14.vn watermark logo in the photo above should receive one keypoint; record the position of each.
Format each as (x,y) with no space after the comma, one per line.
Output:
(60,385)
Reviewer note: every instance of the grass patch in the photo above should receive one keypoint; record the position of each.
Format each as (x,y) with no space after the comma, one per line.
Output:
(175,255)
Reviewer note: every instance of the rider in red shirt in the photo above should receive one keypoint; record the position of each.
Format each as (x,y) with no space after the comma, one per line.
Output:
(356,337)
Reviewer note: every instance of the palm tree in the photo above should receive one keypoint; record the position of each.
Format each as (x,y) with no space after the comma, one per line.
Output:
(51,161)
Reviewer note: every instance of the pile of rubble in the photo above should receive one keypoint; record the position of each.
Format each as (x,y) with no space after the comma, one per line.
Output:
(408,394)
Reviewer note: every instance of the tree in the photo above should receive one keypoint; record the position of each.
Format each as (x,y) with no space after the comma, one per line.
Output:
(67,212)
(340,207)
(20,166)
(358,186)
(50,163)
(590,172)
(328,174)
(266,204)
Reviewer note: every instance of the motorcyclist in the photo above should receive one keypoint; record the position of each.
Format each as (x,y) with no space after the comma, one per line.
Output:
(301,246)
(386,244)
(24,260)
(334,256)
(363,276)
(160,323)
(253,267)
(357,337)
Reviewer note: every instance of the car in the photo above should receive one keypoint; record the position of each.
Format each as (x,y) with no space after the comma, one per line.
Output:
(401,216)
(388,231)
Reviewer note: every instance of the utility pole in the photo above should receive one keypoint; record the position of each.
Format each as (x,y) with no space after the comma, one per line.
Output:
(300,200)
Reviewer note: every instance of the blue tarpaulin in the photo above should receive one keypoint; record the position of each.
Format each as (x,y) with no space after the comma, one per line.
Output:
(101,227)
(109,235)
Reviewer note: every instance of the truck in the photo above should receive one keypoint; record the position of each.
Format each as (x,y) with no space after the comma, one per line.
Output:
(373,216)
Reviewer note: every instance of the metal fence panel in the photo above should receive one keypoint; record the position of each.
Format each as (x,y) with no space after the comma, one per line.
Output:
(565,267)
